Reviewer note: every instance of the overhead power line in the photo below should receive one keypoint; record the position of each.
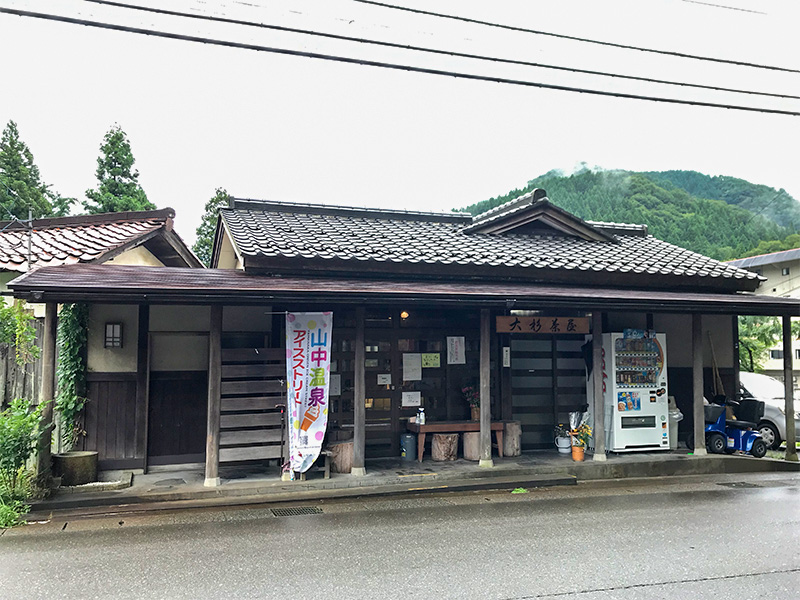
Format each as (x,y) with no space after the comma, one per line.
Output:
(575,38)
(231,21)
(747,10)
(383,65)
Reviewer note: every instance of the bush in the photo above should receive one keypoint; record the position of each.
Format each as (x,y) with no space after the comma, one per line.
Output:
(19,433)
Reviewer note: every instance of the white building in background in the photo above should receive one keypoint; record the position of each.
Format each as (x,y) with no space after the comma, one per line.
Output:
(782,270)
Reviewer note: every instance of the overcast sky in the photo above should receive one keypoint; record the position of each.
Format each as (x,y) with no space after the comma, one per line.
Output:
(270,126)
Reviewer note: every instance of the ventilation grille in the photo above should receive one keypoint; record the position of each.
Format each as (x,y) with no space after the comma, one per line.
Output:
(296,511)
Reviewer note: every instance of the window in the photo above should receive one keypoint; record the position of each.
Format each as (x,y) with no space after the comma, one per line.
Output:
(797,354)
(776,354)
(785,271)
(113,337)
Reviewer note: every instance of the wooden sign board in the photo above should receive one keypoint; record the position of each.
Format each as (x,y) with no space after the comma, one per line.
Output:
(542,325)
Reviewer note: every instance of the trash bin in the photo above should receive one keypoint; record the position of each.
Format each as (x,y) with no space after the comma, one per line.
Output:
(675,416)
(408,446)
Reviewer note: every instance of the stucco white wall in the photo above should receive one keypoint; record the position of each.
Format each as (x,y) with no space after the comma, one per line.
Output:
(227,255)
(178,352)
(112,360)
(180,318)
(139,255)
(247,318)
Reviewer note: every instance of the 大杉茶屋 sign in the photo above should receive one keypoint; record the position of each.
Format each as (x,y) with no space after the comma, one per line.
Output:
(542,325)
(308,372)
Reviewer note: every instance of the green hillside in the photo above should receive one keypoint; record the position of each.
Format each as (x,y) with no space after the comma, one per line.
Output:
(709,215)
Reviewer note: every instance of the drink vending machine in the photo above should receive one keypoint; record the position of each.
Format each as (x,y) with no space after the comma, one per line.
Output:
(635,390)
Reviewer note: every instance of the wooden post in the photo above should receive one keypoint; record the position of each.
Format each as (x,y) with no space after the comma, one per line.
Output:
(142,415)
(788,390)
(485,390)
(697,386)
(599,408)
(359,396)
(214,398)
(47,392)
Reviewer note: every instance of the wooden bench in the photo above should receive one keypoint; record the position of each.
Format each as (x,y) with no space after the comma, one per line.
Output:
(325,467)
(453,427)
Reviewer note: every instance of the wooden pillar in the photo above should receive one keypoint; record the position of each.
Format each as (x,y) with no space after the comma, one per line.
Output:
(142,415)
(788,387)
(599,408)
(359,397)
(47,392)
(214,399)
(697,386)
(485,390)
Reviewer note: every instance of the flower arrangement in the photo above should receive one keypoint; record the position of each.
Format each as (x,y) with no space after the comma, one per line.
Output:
(562,430)
(581,435)
(471,395)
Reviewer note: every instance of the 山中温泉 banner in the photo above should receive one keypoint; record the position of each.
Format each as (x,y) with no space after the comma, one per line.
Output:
(308,372)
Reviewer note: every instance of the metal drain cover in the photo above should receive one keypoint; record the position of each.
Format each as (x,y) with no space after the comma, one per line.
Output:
(740,484)
(296,511)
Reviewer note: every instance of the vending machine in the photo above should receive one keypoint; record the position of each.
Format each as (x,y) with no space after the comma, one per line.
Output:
(635,388)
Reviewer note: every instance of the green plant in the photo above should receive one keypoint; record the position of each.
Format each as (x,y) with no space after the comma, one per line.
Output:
(16,329)
(562,430)
(11,513)
(19,433)
(581,435)
(471,395)
(71,371)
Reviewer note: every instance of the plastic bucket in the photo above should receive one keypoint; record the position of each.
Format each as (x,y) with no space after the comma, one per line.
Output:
(408,446)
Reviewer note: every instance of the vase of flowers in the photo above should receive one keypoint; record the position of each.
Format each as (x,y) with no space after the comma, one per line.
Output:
(562,439)
(580,440)
(473,398)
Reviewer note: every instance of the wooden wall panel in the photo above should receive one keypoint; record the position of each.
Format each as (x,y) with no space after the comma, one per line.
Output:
(110,419)
(177,421)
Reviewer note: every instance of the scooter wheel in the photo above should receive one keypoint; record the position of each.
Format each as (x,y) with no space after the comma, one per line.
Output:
(715,443)
(759,448)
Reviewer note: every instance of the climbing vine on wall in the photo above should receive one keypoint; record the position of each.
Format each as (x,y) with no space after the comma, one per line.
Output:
(71,371)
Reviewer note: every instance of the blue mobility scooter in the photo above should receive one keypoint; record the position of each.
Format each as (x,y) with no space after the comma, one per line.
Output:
(723,435)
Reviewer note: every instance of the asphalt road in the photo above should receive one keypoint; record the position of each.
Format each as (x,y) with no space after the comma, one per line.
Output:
(689,537)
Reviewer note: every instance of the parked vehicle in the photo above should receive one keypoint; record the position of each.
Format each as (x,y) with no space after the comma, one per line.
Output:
(732,435)
(772,426)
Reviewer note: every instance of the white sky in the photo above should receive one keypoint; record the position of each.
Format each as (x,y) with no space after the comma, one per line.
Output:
(297,129)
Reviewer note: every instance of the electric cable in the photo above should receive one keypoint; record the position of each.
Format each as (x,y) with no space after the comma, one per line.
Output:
(230,21)
(575,38)
(384,65)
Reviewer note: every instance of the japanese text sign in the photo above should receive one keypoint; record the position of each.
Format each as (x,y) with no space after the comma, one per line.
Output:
(308,361)
(542,325)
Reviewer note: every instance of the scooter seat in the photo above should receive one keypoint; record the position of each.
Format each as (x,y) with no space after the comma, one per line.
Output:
(740,424)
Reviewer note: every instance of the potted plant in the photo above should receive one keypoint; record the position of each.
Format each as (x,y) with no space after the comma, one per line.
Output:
(580,440)
(473,398)
(562,440)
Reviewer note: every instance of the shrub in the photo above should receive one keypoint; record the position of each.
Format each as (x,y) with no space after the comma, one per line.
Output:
(19,433)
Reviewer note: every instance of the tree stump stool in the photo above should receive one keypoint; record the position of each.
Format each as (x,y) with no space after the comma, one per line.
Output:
(472,445)
(512,438)
(444,446)
(341,456)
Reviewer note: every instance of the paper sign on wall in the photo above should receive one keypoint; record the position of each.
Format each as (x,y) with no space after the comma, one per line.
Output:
(412,398)
(412,367)
(455,351)
(384,379)
(336,384)
(431,360)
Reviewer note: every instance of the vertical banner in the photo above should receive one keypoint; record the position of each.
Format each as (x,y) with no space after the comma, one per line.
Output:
(308,362)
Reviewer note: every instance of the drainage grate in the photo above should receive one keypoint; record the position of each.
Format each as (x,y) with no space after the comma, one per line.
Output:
(740,484)
(296,511)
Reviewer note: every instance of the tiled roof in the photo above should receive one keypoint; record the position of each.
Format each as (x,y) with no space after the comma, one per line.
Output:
(69,240)
(277,232)
(766,259)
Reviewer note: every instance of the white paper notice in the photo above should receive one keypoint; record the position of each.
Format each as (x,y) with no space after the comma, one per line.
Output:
(412,398)
(384,379)
(336,384)
(455,351)
(412,367)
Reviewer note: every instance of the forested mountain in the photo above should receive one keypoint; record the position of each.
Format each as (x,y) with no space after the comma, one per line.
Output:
(721,217)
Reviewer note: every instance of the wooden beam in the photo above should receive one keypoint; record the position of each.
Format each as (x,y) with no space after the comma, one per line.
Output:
(697,386)
(788,390)
(485,390)
(359,397)
(214,401)
(598,410)
(47,392)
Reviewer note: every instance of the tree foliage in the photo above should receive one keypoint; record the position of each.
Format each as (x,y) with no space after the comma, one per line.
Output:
(204,245)
(71,337)
(21,185)
(118,188)
(710,226)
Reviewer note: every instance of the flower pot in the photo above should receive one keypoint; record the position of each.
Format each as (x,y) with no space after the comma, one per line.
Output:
(578,453)
(475,413)
(563,444)
(76,467)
